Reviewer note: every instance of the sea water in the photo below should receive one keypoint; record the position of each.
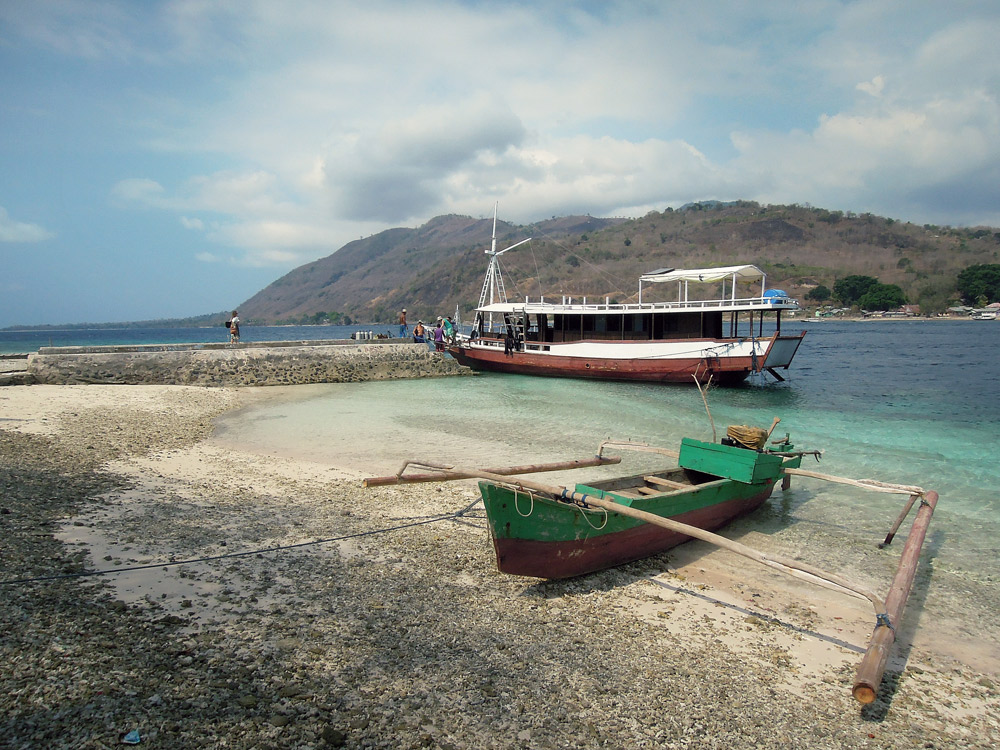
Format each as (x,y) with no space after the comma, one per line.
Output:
(910,402)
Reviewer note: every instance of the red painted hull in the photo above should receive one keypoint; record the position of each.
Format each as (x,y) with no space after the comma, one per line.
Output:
(565,559)
(730,370)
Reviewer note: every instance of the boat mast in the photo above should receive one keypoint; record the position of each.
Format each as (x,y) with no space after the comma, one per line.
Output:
(493,286)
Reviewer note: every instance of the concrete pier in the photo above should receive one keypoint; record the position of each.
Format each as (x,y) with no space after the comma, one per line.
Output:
(251,364)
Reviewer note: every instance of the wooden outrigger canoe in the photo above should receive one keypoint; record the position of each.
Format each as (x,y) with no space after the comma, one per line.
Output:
(557,532)
(535,534)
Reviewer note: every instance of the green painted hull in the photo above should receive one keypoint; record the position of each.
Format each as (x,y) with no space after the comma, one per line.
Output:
(539,536)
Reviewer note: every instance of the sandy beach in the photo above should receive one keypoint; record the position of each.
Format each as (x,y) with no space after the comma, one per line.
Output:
(272,602)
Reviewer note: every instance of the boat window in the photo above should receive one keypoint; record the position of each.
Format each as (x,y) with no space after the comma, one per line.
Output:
(712,325)
(531,326)
(638,323)
(681,325)
(567,328)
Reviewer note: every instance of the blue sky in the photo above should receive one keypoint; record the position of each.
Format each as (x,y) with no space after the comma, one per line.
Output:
(168,159)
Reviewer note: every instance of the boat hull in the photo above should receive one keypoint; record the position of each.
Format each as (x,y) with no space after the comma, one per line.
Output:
(605,363)
(535,536)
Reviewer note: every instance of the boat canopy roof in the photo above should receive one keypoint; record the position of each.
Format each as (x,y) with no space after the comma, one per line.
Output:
(501,307)
(703,274)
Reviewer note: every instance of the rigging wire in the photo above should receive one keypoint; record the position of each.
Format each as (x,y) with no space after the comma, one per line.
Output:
(616,282)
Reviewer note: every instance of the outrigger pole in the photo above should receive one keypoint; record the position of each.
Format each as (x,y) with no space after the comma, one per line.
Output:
(444,473)
(869,675)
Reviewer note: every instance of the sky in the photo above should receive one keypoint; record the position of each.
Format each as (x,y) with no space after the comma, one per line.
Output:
(165,159)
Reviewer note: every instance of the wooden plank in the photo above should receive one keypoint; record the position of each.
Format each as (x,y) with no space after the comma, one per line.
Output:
(667,483)
(648,491)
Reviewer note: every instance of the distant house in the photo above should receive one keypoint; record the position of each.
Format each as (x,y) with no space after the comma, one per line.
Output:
(959,312)
(910,310)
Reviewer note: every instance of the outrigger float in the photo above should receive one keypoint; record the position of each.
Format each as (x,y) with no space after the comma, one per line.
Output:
(550,531)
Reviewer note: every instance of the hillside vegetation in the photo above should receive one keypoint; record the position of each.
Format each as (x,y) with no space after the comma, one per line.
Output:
(431,269)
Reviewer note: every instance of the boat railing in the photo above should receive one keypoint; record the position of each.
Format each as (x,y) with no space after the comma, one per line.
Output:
(745,303)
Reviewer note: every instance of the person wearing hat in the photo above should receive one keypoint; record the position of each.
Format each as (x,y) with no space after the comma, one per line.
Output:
(403,329)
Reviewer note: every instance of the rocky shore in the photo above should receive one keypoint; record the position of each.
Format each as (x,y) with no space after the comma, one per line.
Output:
(273,603)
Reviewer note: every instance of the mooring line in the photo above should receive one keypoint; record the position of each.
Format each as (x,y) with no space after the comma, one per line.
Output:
(230,555)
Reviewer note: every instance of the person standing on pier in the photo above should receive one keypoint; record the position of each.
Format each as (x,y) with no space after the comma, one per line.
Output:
(234,328)
(439,336)
(403,329)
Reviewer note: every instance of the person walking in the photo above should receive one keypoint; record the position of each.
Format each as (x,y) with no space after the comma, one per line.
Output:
(403,329)
(234,328)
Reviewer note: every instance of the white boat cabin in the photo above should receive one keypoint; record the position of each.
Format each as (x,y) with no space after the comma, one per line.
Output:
(680,318)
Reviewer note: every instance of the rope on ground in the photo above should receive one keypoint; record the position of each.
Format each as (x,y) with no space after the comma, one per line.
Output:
(245,553)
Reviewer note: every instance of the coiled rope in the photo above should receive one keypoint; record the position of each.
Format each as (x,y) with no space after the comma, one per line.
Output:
(749,437)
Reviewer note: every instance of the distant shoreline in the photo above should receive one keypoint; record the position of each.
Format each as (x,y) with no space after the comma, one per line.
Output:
(871,319)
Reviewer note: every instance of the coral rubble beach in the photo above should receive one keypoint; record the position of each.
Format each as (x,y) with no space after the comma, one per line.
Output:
(402,639)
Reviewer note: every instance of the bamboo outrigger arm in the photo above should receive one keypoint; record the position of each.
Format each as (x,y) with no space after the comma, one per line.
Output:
(443,473)
(641,447)
(865,484)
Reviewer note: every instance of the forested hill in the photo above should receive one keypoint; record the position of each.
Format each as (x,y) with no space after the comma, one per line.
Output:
(432,268)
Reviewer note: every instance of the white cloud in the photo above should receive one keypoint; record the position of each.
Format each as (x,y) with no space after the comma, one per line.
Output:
(873,87)
(339,119)
(19,231)
(141,190)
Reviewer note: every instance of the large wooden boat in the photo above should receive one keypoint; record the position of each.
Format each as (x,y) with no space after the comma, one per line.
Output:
(722,339)
(542,535)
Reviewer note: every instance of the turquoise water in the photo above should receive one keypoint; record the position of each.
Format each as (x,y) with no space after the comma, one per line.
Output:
(906,402)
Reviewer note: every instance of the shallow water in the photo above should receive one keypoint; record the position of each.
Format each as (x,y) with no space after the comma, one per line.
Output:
(905,402)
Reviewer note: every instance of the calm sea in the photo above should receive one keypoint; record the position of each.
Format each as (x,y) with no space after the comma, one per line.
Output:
(914,402)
